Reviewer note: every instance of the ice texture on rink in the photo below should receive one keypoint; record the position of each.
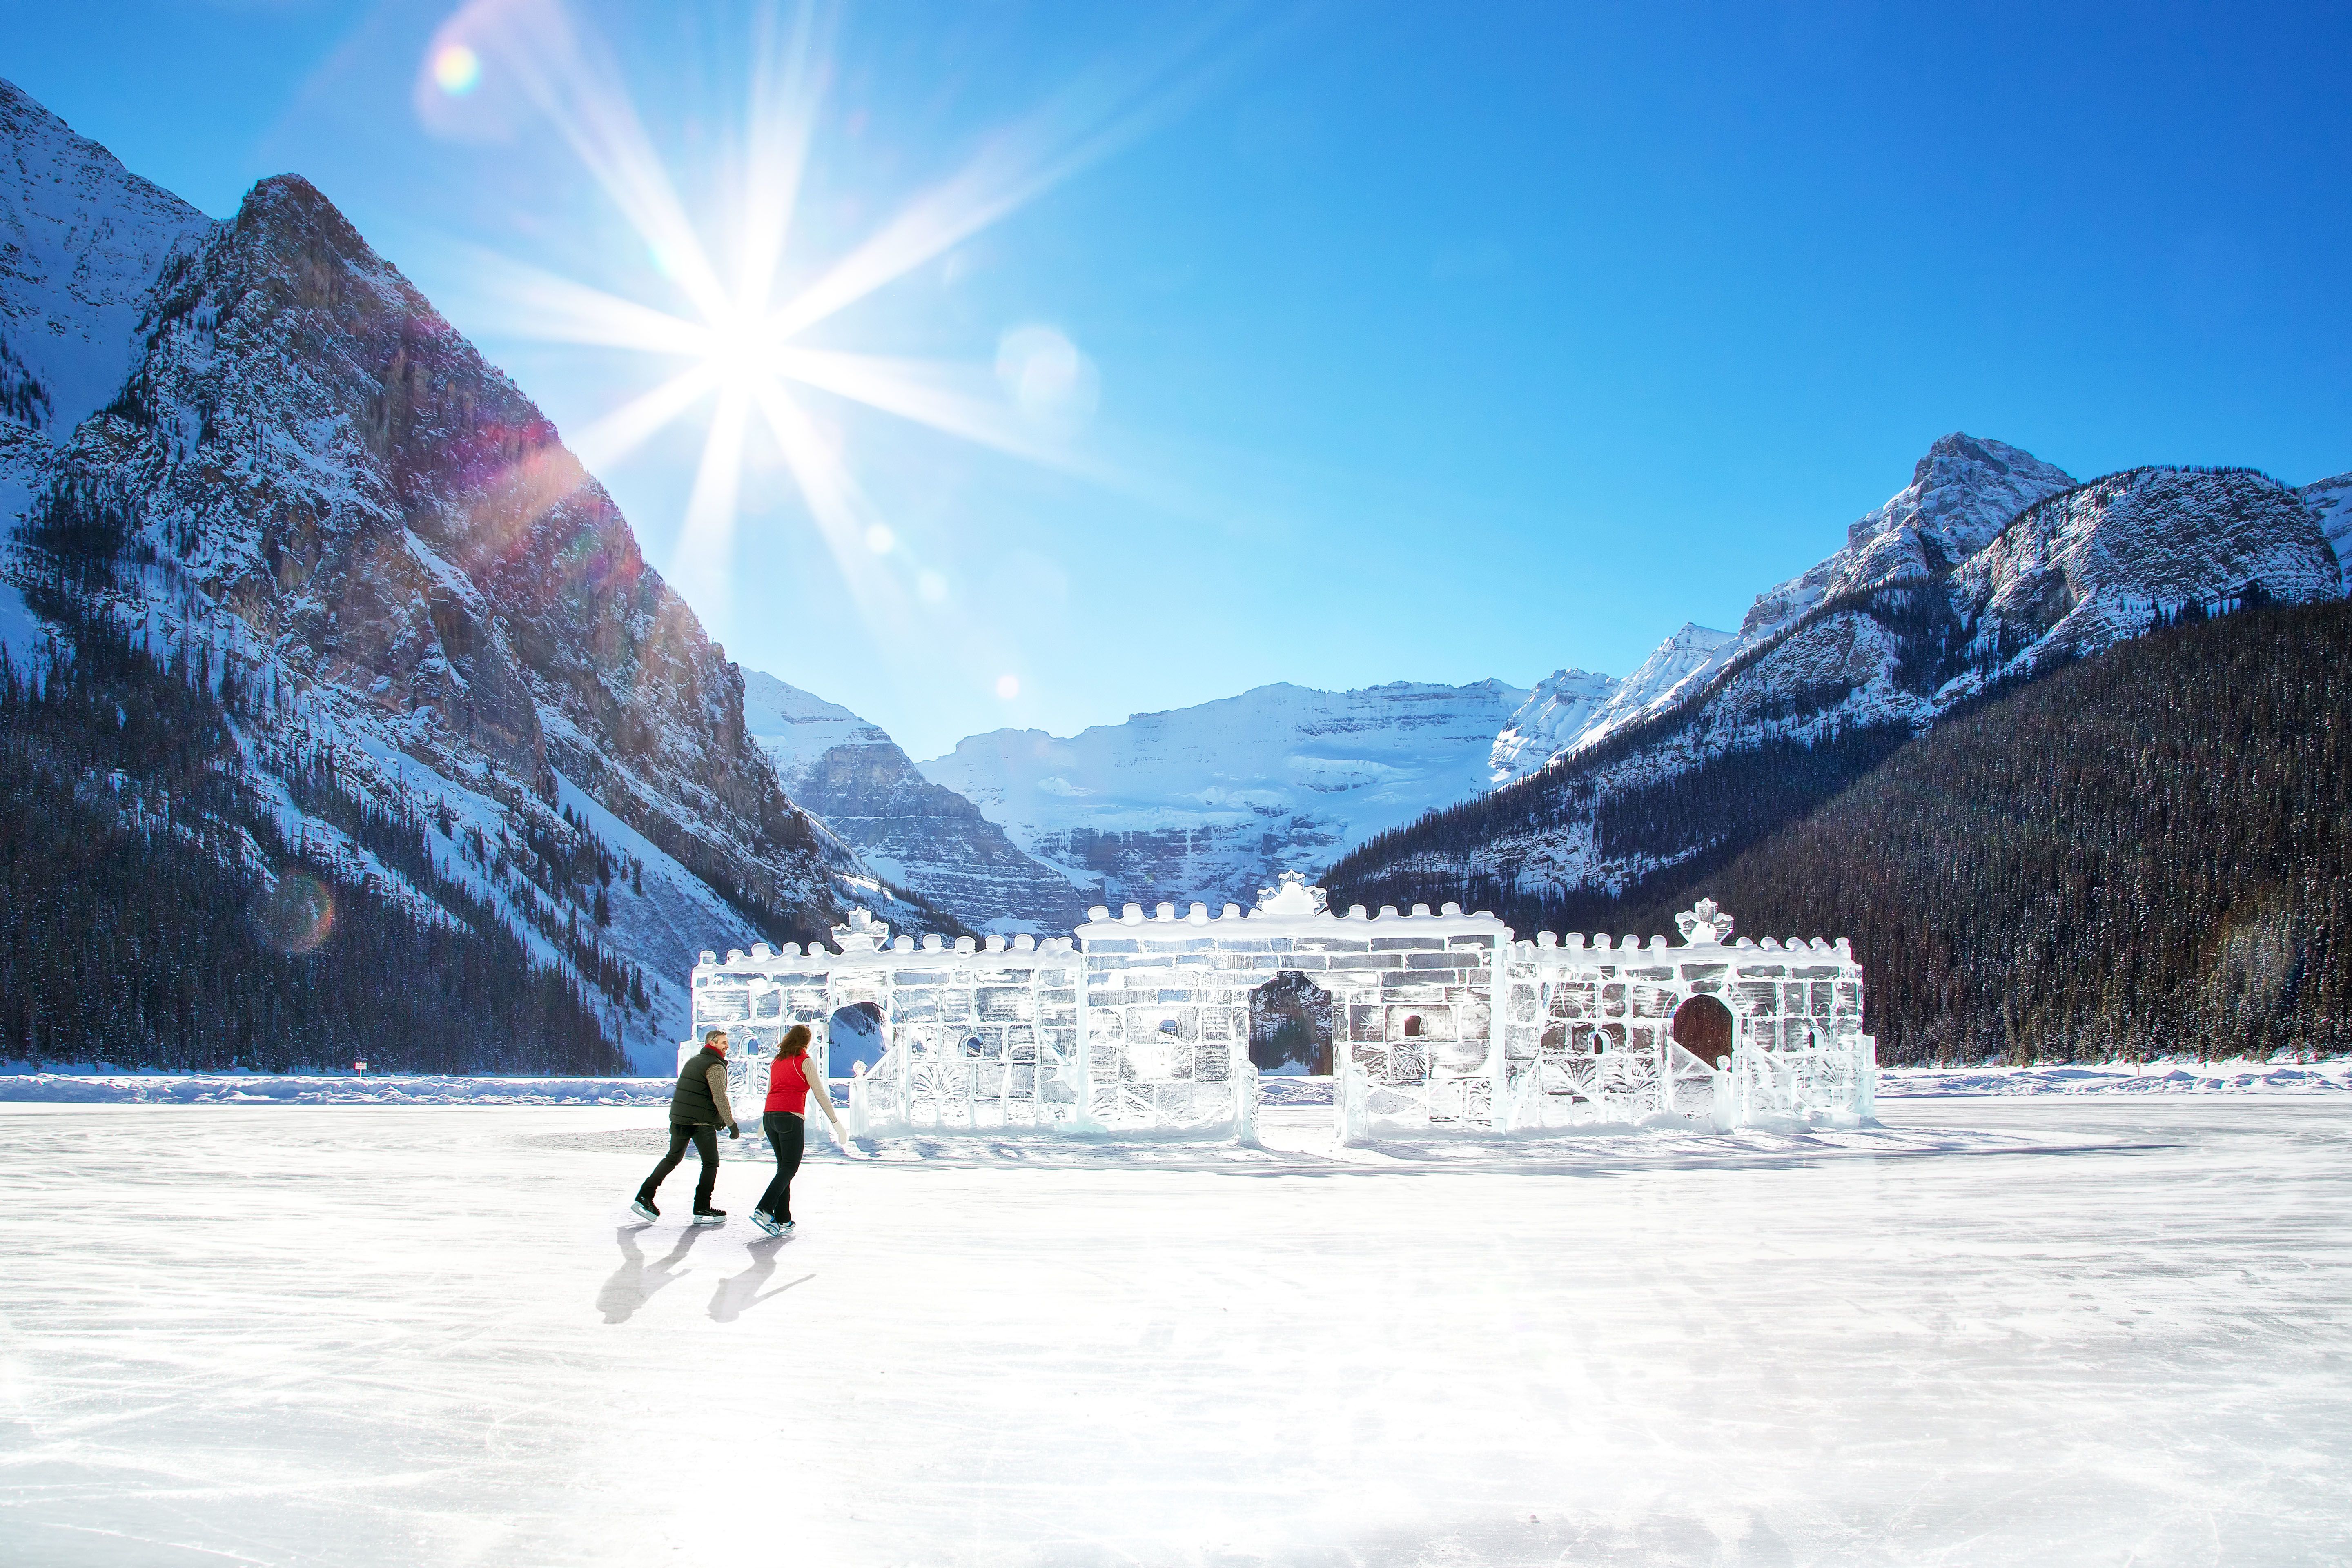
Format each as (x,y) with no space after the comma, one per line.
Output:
(2050,1331)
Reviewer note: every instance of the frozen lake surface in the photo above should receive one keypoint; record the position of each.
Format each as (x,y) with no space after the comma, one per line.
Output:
(2048,1329)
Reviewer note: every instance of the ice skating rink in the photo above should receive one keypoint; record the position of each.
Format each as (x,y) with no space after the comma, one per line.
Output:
(2032,1331)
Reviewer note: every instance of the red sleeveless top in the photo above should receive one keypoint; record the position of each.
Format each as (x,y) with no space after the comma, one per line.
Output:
(788,1085)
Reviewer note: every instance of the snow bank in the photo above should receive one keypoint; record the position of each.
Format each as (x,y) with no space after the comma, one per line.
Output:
(2241,1077)
(208,1089)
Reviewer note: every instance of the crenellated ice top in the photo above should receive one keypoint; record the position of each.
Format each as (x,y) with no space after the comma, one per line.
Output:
(1293,904)
(863,940)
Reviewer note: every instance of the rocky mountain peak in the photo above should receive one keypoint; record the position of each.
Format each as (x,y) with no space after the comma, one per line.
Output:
(324,483)
(82,241)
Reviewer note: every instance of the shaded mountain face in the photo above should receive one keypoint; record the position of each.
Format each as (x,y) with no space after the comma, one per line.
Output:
(925,839)
(1212,803)
(82,241)
(2330,501)
(2211,880)
(1929,605)
(302,467)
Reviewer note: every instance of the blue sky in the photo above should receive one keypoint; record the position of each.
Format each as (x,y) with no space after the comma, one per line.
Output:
(1378,342)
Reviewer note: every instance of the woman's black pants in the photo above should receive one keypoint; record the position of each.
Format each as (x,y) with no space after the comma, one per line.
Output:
(786,1134)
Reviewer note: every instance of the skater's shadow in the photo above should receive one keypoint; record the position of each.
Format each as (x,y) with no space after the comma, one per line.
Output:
(739,1293)
(634,1283)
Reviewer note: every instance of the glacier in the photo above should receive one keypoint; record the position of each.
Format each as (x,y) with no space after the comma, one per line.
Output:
(1213,800)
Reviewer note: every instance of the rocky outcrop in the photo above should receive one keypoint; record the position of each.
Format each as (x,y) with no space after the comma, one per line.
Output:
(927,839)
(2330,501)
(323,484)
(1963,491)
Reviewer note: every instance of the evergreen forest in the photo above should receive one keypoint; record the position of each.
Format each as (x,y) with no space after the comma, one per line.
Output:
(2141,852)
(152,913)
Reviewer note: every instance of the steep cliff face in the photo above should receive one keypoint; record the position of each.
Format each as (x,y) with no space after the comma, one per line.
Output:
(2330,501)
(82,241)
(303,468)
(1928,606)
(1962,492)
(925,839)
(1212,802)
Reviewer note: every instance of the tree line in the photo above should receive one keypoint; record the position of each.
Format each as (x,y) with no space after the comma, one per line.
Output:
(152,913)
(2138,853)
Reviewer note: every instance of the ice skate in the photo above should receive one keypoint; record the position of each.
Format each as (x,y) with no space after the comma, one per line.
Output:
(711,1216)
(643,1207)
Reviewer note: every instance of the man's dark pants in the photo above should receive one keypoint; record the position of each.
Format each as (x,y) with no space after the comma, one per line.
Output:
(705,1143)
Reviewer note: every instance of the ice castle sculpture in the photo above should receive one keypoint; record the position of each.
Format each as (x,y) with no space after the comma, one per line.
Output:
(1444,1020)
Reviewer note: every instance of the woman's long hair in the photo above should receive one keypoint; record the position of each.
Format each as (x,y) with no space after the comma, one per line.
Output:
(795,1042)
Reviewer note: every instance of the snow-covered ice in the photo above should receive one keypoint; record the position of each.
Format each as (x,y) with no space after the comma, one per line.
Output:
(2045,1330)
(2184,1076)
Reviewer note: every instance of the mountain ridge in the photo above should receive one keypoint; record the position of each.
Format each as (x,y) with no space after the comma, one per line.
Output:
(306,473)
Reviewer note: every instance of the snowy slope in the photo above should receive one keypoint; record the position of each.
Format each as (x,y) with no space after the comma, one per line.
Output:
(921,836)
(796,728)
(82,241)
(343,501)
(2330,501)
(1211,802)
(1930,600)
(1564,705)
(1575,710)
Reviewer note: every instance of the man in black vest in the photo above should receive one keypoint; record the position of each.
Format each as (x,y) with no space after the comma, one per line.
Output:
(698,1108)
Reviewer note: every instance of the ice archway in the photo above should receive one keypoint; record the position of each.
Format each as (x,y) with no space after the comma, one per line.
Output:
(1439,1020)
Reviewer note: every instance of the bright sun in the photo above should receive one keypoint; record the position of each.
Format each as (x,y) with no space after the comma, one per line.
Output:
(737,353)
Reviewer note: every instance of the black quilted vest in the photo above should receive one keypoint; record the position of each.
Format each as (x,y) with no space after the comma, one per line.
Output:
(692,1102)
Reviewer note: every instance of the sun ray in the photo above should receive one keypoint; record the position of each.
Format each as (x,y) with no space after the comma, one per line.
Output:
(1102,113)
(927,393)
(568,78)
(708,537)
(786,91)
(636,422)
(534,302)
(732,336)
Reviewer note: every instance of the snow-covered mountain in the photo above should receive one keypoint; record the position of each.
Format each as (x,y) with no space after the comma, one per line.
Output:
(82,241)
(925,839)
(297,466)
(2330,501)
(1991,565)
(1962,493)
(1576,708)
(1211,802)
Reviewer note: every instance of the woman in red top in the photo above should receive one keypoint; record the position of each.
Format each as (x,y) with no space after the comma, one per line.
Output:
(785,1123)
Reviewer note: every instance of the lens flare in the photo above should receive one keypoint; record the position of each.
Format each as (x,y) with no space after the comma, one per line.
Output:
(456,69)
(298,914)
(743,366)
(1008,687)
